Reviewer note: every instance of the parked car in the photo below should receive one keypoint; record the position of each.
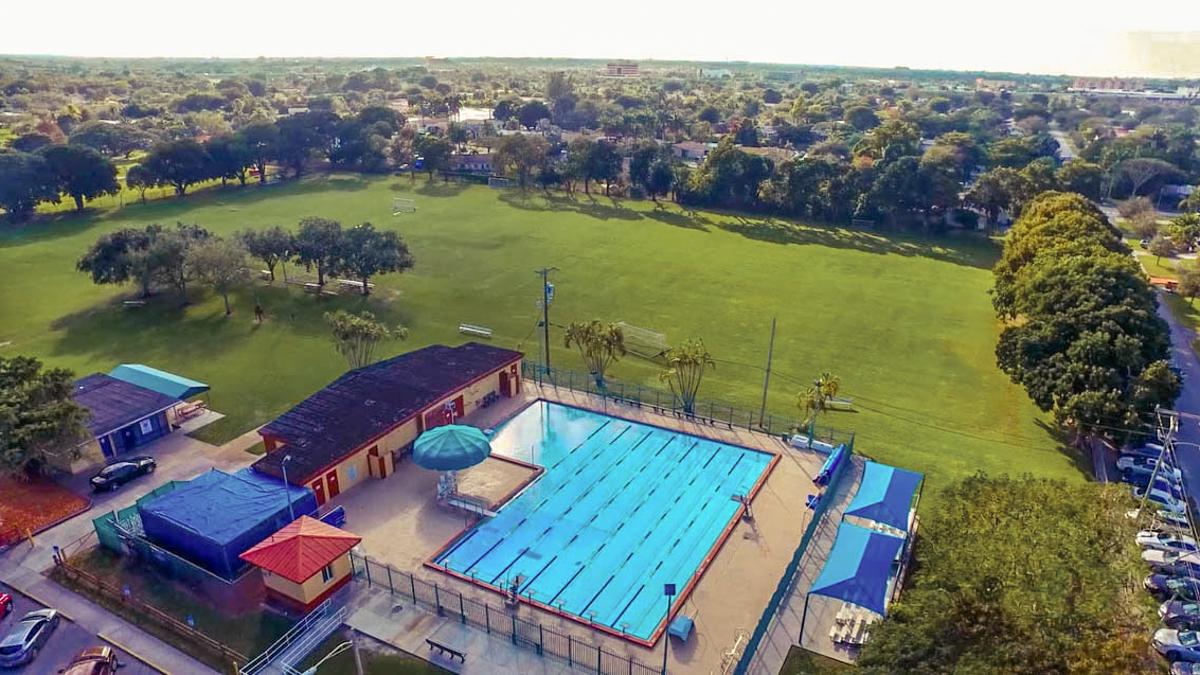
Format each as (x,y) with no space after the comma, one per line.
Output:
(5,604)
(1179,615)
(1167,519)
(1177,563)
(1166,586)
(1142,465)
(22,644)
(93,661)
(1166,500)
(1141,478)
(1165,541)
(117,474)
(1177,645)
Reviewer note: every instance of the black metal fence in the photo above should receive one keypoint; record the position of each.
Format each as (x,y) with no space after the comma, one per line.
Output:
(666,403)
(496,620)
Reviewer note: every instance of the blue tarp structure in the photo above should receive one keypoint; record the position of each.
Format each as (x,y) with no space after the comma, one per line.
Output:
(170,384)
(858,567)
(834,459)
(215,517)
(885,495)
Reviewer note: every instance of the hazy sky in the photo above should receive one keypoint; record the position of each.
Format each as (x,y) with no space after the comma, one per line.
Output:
(1045,36)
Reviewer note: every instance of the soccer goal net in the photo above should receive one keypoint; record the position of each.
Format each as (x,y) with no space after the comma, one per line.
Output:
(403,205)
(643,341)
(497,182)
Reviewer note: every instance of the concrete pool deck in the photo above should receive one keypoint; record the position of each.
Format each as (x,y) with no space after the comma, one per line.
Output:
(402,526)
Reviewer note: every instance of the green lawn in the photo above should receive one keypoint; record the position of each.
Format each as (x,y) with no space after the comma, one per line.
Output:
(905,322)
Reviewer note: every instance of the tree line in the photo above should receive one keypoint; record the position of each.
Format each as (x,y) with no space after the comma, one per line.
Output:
(1083,335)
(157,257)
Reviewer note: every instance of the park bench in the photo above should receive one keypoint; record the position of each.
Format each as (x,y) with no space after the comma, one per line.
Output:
(446,650)
(265,275)
(133,304)
(356,285)
(471,329)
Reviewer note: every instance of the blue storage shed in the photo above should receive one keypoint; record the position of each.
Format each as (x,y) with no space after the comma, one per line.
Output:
(215,517)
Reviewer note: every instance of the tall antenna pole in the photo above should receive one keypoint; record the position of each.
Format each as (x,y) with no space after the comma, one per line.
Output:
(762,411)
(544,272)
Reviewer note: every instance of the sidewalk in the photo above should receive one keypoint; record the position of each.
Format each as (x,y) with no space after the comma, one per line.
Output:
(100,621)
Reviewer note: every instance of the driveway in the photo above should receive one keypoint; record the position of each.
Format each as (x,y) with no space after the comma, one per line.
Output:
(179,457)
(67,640)
(1188,446)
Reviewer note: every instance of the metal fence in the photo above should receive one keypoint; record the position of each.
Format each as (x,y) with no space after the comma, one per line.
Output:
(666,403)
(497,621)
(785,582)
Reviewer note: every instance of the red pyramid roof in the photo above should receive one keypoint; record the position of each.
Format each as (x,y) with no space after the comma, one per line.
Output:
(301,549)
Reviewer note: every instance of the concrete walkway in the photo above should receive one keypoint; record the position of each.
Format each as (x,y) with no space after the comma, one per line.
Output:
(397,622)
(784,629)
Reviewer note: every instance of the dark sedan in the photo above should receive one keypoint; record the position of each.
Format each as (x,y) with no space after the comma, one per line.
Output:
(1180,615)
(117,474)
(22,644)
(1164,586)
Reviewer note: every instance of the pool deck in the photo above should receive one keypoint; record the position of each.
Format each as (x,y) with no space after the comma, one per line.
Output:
(401,525)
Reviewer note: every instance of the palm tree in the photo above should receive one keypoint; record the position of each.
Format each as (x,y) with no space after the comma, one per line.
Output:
(684,371)
(600,345)
(816,399)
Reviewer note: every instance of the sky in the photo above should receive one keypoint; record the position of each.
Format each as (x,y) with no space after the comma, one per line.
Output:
(1099,37)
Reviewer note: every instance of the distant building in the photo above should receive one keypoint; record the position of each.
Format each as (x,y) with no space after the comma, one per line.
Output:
(471,163)
(296,110)
(783,75)
(777,155)
(1108,84)
(622,69)
(985,84)
(690,151)
(716,73)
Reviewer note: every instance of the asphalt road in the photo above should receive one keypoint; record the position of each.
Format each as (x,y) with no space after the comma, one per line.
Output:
(1187,448)
(64,643)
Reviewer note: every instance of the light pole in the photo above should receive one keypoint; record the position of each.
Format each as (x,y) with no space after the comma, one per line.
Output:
(669,591)
(286,494)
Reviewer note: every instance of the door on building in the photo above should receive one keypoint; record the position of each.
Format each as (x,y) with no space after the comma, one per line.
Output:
(128,439)
(106,447)
(331,478)
(318,488)
(376,465)
(460,408)
(505,387)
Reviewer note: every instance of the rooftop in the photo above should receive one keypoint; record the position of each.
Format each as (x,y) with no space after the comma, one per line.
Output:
(301,549)
(114,403)
(168,384)
(365,403)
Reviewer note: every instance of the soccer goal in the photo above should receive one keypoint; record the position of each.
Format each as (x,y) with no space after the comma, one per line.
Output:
(643,342)
(403,205)
(498,183)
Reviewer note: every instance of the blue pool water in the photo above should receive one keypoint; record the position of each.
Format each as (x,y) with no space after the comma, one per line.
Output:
(621,509)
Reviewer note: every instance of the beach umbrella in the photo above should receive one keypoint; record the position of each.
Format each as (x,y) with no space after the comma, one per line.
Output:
(453,447)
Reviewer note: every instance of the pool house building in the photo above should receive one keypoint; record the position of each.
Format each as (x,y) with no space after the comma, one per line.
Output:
(365,421)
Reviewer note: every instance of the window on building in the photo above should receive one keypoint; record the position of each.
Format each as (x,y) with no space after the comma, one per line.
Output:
(327,573)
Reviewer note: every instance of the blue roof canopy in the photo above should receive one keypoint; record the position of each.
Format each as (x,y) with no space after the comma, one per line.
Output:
(859,567)
(169,384)
(885,495)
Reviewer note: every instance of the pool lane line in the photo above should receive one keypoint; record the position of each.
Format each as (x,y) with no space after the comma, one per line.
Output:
(582,443)
(534,577)
(585,607)
(480,558)
(510,564)
(445,554)
(716,451)
(618,437)
(560,591)
(648,435)
(628,604)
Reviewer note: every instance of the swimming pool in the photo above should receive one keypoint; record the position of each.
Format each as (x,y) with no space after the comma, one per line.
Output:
(621,509)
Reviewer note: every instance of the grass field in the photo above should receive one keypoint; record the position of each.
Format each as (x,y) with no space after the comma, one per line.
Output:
(905,322)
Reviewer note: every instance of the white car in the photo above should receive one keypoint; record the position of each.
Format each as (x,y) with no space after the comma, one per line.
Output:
(1165,541)
(1167,501)
(1177,645)
(1145,465)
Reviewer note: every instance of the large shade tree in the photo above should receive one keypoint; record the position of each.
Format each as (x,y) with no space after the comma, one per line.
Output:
(81,172)
(364,252)
(39,418)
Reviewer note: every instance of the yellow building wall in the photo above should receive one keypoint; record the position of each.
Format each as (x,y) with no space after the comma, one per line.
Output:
(90,457)
(313,587)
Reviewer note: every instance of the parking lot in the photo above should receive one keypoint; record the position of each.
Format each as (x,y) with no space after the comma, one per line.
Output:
(64,643)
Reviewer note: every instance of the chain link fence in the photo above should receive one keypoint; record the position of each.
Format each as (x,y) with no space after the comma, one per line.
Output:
(497,621)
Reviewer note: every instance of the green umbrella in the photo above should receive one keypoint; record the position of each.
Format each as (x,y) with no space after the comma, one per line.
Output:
(453,447)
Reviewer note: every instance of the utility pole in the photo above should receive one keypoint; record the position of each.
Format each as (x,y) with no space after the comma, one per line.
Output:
(544,272)
(762,411)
